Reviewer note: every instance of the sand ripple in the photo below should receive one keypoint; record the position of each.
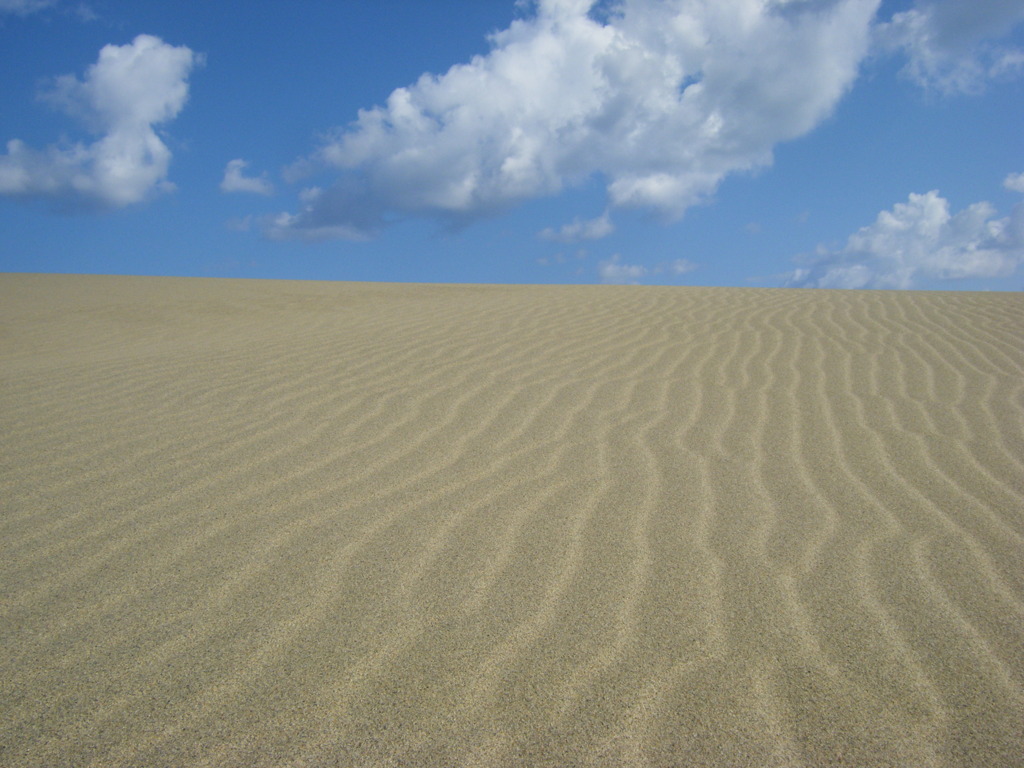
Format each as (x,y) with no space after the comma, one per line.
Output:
(273,523)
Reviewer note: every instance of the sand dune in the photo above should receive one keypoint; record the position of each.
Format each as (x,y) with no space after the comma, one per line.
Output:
(268,523)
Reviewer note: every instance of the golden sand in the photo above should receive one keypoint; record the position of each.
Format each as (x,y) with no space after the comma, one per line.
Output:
(270,523)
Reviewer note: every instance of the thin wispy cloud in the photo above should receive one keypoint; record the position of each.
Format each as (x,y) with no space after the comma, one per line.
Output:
(921,239)
(25,7)
(614,272)
(954,46)
(682,266)
(660,100)
(129,91)
(578,230)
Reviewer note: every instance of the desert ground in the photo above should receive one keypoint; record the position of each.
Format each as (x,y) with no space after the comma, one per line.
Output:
(283,523)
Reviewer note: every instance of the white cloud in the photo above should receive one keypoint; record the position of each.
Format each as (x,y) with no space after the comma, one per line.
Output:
(282,227)
(28,7)
(613,271)
(24,7)
(950,44)
(236,181)
(661,99)
(921,239)
(1014,182)
(682,266)
(128,91)
(592,229)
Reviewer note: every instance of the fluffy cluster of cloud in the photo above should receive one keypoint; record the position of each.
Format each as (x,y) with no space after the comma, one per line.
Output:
(235,180)
(124,95)
(950,44)
(1014,182)
(921,239)
(659,98)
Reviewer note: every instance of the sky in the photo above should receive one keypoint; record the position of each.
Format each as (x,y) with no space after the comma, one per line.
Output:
(775,143)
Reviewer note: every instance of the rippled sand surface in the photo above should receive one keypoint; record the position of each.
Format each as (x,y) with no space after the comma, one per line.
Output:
(268,523)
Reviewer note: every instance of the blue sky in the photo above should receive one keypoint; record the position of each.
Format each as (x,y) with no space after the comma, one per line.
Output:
(829,143)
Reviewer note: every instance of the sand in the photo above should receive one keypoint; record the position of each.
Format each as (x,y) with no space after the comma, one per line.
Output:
(275,523)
